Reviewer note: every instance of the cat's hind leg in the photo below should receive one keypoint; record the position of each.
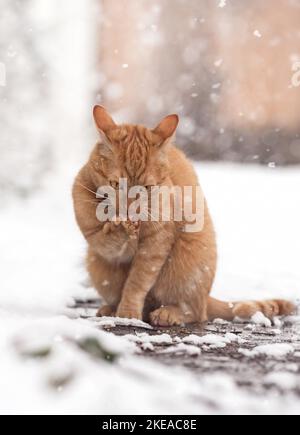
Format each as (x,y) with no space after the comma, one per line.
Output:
(182,288)
(106,311)
(171,315)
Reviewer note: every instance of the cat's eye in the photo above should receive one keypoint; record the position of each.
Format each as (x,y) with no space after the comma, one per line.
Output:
(114,184)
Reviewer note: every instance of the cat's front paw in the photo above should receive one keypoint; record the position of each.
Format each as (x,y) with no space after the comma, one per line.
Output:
(106,311)
(126,312)
(131,228)
(167,316)
(112,227)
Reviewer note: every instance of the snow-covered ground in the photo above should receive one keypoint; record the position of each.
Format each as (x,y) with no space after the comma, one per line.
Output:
(257,215)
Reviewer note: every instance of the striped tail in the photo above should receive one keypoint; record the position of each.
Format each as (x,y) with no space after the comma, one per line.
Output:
(245,310)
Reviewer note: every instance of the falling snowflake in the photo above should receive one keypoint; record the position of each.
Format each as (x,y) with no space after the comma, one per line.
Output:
(257,34)
(218,63)
(222,3)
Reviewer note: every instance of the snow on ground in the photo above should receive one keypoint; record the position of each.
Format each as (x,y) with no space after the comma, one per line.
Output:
(214,341)
(256,212)
(277,350)
(51,363)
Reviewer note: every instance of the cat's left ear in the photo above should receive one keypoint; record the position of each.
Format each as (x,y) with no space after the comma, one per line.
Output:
(167,127)
(105,124)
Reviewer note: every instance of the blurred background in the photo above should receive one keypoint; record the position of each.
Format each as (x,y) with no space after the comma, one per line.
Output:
(230,68)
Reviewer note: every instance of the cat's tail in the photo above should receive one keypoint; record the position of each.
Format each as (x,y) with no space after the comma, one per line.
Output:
(245,310)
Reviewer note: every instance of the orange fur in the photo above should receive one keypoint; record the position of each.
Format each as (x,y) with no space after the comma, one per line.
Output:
(150,270)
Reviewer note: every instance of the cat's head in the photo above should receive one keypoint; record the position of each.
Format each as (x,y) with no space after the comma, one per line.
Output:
(133,152)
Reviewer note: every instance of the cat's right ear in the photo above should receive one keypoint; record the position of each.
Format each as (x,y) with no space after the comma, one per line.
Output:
(167,127)
(103,120)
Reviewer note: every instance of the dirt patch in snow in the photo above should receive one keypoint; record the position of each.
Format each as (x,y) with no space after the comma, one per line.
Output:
(257,357)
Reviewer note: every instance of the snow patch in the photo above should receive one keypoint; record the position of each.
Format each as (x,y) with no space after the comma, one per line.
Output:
(118,321)
(279,350)
(222,3)
(294,320)
(214,341)
(284,380)
(257,34)
(260,319)
(143,338)
(183,348)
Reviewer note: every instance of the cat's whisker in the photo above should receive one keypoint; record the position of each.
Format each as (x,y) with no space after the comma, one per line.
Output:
(156,225)
(86,188)
(154,220)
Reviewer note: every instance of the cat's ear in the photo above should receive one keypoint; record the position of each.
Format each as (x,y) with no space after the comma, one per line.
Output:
(103,120)
(104,123)
(167,127)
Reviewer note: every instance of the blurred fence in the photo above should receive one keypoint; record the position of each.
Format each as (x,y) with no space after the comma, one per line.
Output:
(225,66)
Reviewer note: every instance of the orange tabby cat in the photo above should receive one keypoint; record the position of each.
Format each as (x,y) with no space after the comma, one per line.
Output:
(151,270)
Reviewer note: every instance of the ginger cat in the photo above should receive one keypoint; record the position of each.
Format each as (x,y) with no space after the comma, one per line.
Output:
(148,270)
